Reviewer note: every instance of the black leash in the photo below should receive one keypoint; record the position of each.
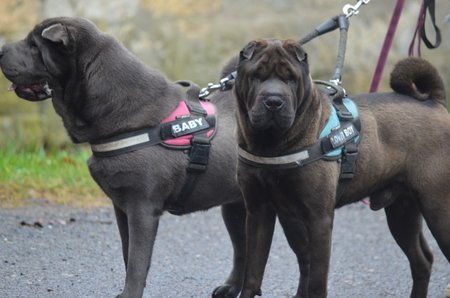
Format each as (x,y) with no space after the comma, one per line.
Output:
(420,33)
(431,8)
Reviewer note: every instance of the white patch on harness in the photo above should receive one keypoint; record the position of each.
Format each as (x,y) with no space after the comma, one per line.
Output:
(189,126)
(343,135)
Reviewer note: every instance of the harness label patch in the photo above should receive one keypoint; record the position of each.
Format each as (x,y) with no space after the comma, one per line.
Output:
(342,135)
(188,126)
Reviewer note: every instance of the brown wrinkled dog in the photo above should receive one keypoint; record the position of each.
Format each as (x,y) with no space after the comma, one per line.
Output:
(403,162)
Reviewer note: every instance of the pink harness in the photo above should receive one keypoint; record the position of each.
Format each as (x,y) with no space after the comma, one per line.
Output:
(181,111)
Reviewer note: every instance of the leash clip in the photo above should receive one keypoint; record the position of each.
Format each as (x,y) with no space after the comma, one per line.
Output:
(206,91)
(350,10)
(224,84)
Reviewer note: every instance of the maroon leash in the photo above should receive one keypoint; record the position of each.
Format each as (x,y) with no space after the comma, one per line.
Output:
(420,20)
(386,46)
(426,7)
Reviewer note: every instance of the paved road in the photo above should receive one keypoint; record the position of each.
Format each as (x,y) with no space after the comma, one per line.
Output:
(76,253)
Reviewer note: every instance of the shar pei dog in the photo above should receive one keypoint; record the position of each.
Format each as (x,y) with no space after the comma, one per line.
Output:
(393,147)
(107,98)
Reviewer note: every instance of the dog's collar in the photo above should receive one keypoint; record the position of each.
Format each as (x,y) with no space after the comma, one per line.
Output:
(126,142)
(284,161)
(332,140)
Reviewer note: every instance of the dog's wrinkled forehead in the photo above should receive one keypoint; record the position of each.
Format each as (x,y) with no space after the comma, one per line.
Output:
(273,55)
(273,48)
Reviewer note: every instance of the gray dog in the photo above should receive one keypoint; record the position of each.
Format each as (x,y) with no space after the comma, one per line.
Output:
(396,151)
(102,91)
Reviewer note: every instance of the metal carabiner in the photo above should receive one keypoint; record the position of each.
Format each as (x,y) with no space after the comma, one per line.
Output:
(224,84)
(205,92)
(350,10)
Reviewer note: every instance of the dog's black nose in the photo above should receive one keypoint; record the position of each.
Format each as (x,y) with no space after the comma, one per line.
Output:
(273,103)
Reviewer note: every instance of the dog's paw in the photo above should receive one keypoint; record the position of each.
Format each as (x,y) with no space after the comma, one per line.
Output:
(225,291)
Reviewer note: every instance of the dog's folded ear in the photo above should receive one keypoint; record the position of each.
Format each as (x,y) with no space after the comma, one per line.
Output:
(58,33)
(247,51)
(302,56)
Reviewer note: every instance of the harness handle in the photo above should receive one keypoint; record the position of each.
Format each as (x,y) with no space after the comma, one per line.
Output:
(340,21)
(343,29)
(327,26)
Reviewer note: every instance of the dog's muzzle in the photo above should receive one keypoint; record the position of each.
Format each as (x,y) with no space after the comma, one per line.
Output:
(273,103)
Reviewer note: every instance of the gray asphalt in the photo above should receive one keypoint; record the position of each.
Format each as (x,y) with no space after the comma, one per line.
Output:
(76,253)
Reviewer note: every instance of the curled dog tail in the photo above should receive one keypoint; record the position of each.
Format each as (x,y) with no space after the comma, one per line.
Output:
(416,77)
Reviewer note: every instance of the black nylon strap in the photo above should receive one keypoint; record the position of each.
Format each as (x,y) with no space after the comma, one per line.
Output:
(178,207)
(349,157)
(192,97)
(341,110)
(198,160)
(430,7)
(350,150)
(156,135)
(198,154)
(152,133)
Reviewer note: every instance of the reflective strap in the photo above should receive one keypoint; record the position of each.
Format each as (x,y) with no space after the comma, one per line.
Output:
(120,144)
(295,158)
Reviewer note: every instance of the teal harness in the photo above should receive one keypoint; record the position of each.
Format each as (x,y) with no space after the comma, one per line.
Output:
(334,122)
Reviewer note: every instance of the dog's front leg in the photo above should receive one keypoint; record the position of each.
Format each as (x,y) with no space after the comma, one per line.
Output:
(122,224)
(234,216)
(143,220)
(321,224)
(296,230)
(260,226)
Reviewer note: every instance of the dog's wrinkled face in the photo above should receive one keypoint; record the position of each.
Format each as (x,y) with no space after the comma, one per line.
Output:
(272,81)
(42,61)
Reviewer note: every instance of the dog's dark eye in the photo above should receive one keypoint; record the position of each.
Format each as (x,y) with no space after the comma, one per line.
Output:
(32,45)
(290,76)
(255,77)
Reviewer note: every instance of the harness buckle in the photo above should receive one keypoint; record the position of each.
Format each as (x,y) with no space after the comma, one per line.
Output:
(344,115)
(349,157)
(199,154)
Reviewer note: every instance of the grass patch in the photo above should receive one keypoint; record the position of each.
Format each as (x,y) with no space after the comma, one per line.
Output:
(59,177)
